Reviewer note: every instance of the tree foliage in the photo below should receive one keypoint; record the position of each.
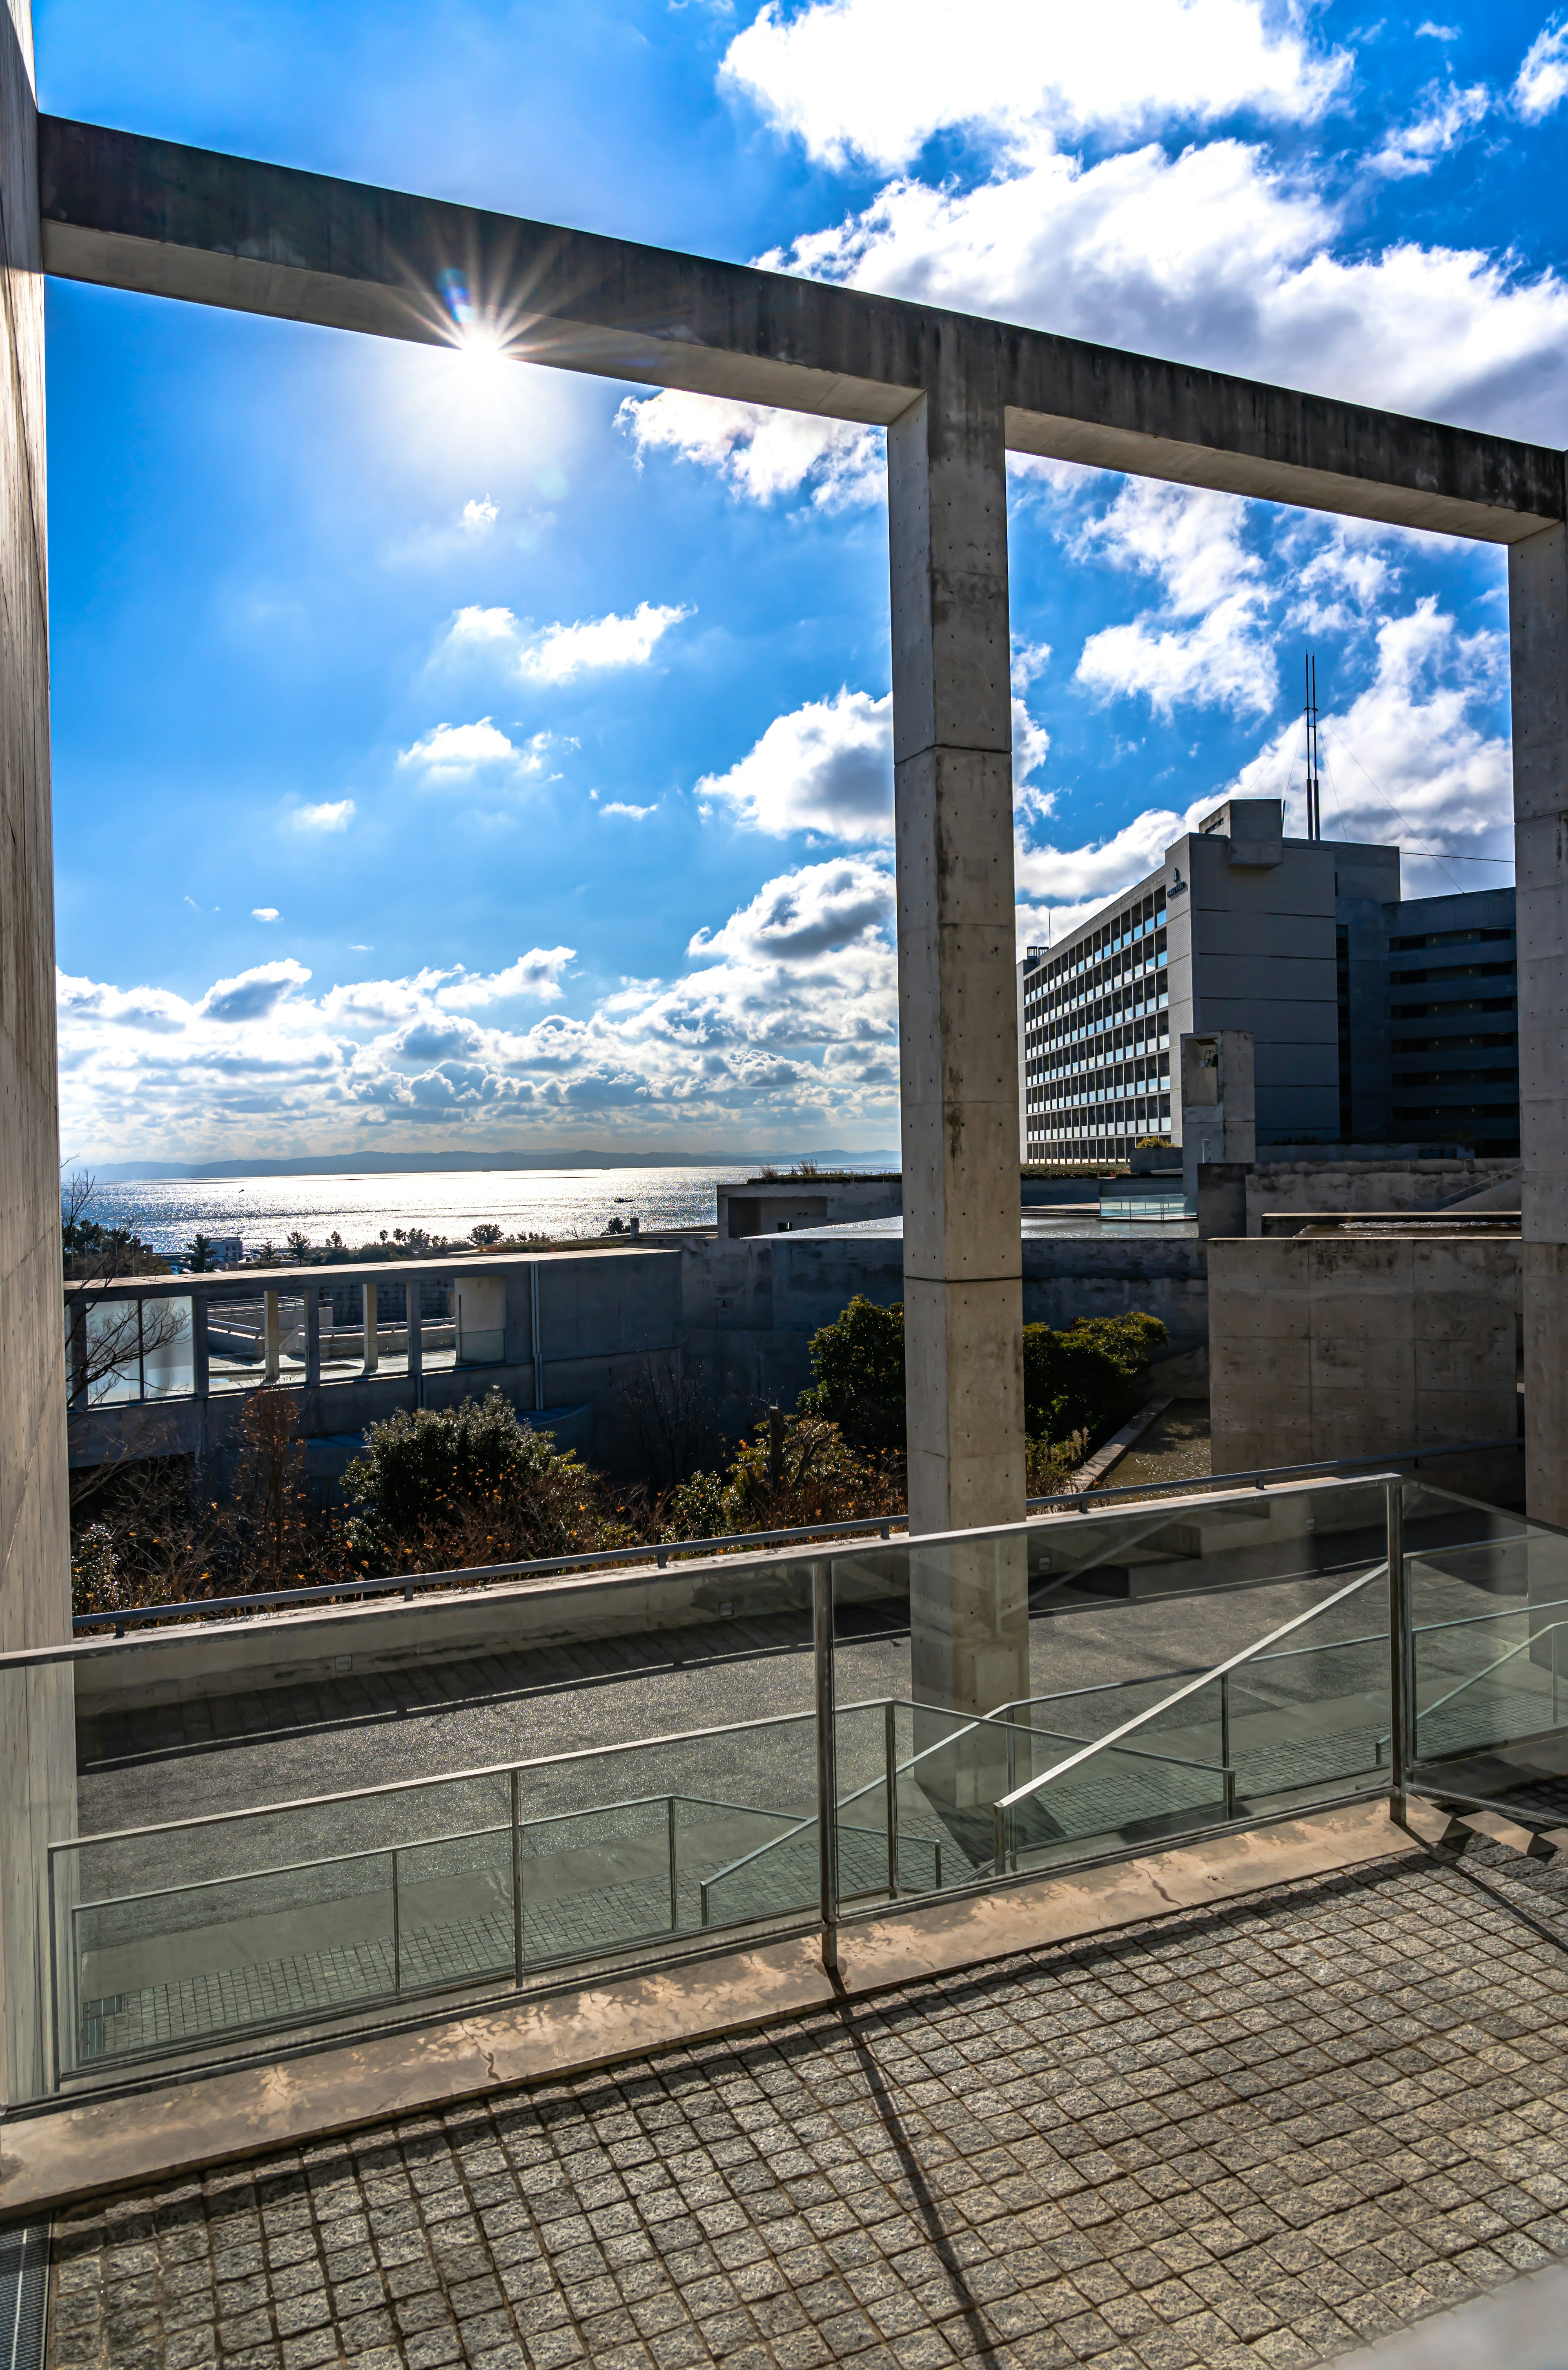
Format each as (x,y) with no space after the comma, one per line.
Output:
(1074,1381)
(471,1484)
(859,1364)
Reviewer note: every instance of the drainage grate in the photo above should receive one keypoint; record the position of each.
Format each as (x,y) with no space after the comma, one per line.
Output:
(24,2294)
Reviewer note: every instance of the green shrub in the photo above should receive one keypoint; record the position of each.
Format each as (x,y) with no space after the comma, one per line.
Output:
(471,1484)
(859,1364)
(1075,1381)
(820,1479)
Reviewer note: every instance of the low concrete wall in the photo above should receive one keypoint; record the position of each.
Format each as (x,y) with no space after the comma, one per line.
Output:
(1347,1346)
(1305,1186)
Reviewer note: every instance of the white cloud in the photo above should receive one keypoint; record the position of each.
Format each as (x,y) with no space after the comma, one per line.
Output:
(1218,257)
(1410,758)
(535,974)
(821,909)
(1028,660)
(825,768)
(330,814)
(264,914)
(1192,541)
(1543,76)
(1415,147)
(456,753)
(481,626)
(480,517)
(1410,761)
(1431,32)
(561,652)
(874,79)
(253,994)
(786,1014)
(762,454)
(619,805)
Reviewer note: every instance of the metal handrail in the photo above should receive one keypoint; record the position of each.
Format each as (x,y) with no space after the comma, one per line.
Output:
(442,1777)
(1008,1803)
(899,1769)
(659,1552)
(1475,1677)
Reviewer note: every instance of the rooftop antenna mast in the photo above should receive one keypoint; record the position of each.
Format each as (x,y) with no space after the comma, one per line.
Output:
(1314,785)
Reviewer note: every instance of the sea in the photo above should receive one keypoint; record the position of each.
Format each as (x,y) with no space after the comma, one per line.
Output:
(166,1212)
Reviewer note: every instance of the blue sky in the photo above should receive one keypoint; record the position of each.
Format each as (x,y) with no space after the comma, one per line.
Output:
(450,752)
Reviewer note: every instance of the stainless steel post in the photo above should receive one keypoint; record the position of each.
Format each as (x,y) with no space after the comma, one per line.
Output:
(827,1763)
(1224,1745)
(516,1883)
(890,1761)
(674,1873)
(396,1929)
(1401,1721)
(1554,1629)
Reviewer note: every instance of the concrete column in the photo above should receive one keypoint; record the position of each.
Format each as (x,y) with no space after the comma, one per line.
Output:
(36,1722)
(1219,1102)
(271,1337)
(416,1339)
(371,1348)
(957,998)
(1537,601)
(312,1336)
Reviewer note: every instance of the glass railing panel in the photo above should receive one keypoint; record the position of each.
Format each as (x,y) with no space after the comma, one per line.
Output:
(172,1969)
(1088,1617)
(168,1369)
(1487,1594)
(221,1924)
(1143,1791)
(113,1351)
(481,1345)
(455,1910)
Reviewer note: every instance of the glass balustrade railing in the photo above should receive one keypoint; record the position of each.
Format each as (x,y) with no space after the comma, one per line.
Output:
(1488,1607)
(490,1788)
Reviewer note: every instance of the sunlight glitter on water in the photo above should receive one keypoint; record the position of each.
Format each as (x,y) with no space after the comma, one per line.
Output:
(166,1212)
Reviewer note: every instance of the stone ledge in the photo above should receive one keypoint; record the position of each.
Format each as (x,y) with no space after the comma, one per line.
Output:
(89,2147)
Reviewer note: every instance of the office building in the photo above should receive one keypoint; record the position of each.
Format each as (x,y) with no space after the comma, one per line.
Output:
(1373,1019)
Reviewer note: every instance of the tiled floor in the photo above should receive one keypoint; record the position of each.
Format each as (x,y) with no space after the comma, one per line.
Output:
(1258,2135)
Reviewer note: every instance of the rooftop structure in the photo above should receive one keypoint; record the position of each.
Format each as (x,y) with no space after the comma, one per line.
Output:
(1306,946)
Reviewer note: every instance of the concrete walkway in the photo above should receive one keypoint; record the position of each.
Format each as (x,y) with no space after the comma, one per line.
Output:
(1259,2133)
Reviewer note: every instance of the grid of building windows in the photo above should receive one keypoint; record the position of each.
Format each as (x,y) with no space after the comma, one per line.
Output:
(1097,1038)
(1453,1023)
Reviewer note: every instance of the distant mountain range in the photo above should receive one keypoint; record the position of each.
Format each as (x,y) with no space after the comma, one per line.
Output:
(428,1164)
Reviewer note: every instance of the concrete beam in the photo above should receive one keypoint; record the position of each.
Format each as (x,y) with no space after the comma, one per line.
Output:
(127,211)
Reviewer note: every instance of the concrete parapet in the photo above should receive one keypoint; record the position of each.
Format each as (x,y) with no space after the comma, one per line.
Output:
(1390,1183)
(1357,1345)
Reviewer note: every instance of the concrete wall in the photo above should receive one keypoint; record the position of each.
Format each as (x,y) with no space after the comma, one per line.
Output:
(1356,1346)
(751,1309)
(37,1738)
(773,1205)
(1282,1187)
(603,1314)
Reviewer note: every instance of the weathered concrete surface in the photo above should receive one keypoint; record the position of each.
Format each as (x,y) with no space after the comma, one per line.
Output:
(605,1316)
(1356,1346)
(88,2148)
(37,1756)
(774,1205)
(133,212)
(1284,1187)
(1537,609)
(952,805)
